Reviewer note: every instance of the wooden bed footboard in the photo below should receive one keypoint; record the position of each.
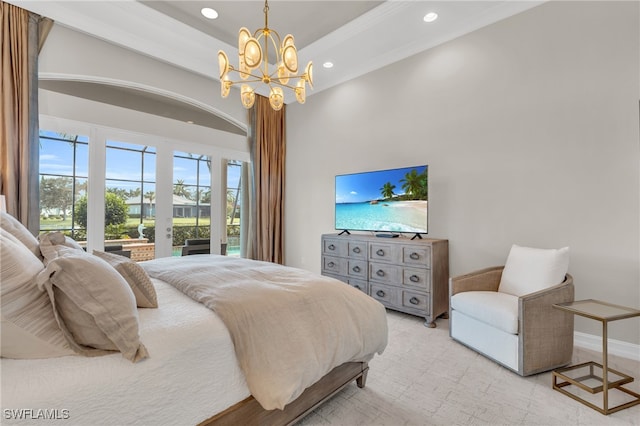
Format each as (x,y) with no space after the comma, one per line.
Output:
(249,412)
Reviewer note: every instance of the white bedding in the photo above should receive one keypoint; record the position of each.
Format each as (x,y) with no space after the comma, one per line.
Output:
(179,384)
(290,327)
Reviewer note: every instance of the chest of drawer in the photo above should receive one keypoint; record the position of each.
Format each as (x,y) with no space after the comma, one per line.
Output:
(334,265)
(381,252)
(388,296)
(418,278)
(385,273)
(357,249)
(357,268)
(416,301)
(415,255)
(334,247)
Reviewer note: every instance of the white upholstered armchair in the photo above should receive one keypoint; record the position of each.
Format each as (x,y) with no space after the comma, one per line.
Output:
(506,313)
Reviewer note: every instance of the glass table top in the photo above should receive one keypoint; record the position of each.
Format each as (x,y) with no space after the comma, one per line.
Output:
(599,310)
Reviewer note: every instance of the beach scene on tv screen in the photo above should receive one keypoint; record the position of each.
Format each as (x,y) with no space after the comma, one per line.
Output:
(393,200)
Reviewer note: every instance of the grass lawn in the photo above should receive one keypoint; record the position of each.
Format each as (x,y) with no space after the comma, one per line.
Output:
(131,222)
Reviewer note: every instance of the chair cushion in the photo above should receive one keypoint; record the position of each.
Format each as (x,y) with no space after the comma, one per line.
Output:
(499,310)
(528,270)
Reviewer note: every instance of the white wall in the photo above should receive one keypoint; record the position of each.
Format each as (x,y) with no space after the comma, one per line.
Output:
(530,128)
(69,55)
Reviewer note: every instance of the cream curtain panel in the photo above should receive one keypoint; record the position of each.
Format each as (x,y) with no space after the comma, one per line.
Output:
(267,139)
(20,41)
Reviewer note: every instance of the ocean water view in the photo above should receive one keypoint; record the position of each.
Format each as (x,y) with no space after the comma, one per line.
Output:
(393,216)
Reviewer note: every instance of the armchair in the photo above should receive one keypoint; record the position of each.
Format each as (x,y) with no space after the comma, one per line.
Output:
(521,331)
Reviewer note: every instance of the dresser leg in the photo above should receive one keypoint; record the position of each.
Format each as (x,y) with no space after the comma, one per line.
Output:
(430,324)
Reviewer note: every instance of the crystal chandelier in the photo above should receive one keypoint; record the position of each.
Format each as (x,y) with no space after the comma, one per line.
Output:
(254,67)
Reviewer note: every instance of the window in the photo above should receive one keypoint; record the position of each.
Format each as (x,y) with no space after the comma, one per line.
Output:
(234,182)
(64,176)
(131,177)
(191,198)
(153,180)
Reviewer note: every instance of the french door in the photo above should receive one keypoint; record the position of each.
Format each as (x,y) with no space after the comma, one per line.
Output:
(110,188)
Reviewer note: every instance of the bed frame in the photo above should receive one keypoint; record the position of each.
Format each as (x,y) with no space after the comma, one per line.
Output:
(249,412)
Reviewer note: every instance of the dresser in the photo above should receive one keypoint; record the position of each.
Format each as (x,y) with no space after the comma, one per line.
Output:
(405,275)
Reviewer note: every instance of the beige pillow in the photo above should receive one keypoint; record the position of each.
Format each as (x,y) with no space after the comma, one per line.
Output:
(29,328)
(18,230)
(93,305)
(136,277)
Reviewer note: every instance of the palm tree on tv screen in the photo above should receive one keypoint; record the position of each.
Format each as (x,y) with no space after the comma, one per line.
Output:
(415,185)
(387,190)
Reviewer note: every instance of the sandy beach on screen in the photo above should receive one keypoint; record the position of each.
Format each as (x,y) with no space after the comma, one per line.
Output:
(412,204)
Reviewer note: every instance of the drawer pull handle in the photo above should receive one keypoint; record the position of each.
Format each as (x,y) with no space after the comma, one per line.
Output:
(414,301)
(356,269)
(380,273)
(331,247)
(356,249)
(414,278)
(414,256)
(380,252)
(380,293)
(331,264)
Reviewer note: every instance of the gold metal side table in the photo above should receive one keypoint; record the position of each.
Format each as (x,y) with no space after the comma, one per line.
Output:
(585,376)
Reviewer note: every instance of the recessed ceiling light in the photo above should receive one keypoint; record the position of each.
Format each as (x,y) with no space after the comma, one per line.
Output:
(430,17)
(190,121)
(209,13)
(328,64)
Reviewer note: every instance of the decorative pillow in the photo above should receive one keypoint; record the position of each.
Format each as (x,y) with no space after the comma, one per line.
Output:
(55,244)
(528,270)
(93,305)
(136,277)
(18,230)
(29,329)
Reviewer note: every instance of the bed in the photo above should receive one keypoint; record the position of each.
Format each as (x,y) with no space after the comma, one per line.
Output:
(190,365)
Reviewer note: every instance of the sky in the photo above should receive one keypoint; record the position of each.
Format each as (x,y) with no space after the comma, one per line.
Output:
(365,186)
(57,158)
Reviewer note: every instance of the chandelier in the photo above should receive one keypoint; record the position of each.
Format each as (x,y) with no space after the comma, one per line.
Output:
(254,67)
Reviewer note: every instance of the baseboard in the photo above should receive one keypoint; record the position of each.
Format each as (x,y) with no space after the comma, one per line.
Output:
(615,347)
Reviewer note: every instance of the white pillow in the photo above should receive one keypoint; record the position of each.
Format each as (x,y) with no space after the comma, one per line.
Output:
(28,326)
(528,270)
(18,230)
(54,244)
(93,305)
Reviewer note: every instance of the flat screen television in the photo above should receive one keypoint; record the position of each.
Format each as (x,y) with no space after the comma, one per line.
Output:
(393,200)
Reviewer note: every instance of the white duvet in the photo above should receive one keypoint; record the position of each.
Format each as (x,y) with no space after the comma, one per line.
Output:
(192,374)
(289,326)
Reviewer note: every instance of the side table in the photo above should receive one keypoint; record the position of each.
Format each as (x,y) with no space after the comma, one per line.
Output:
(586,375)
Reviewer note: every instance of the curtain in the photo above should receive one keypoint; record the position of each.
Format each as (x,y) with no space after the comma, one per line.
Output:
(20,41)
(267,142)
(246,191)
